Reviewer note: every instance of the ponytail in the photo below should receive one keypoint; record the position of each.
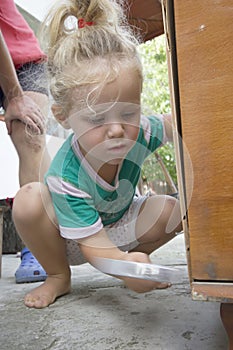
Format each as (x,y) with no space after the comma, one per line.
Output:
(86,38)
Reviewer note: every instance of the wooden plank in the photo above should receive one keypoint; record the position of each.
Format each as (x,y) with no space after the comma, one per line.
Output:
(205,73)
(212,291)
(172,74)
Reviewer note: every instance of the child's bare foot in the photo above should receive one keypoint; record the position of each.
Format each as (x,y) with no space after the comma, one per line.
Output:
(162,285)
(143,286)
(44,295)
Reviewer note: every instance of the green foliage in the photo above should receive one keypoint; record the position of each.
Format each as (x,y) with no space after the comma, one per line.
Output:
(156,99)
(156,94)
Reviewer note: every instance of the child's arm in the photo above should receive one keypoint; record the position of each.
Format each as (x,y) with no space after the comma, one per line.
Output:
(99,245)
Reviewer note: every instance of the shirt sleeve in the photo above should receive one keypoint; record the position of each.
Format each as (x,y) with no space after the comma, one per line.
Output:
(154,131)
(74,208)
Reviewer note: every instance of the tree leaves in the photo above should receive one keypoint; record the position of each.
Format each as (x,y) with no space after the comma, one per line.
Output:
(156,99)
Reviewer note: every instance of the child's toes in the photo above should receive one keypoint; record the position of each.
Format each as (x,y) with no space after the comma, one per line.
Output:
(162,285)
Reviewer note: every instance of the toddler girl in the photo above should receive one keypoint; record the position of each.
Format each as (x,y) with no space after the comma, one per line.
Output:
(87,207)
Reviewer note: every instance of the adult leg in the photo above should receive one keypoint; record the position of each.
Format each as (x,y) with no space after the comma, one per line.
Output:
(34,219)
(34,159)
(226,312)
(33,163)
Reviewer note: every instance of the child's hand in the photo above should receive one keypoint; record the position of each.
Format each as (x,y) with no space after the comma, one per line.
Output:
(140,285)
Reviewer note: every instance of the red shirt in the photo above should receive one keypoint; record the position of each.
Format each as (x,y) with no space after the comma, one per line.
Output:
(19,37)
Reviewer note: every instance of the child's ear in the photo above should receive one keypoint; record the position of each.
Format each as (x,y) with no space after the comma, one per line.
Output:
(60,115)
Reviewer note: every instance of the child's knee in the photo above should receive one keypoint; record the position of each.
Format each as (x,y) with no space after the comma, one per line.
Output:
(168,208)
(27,203)
(172,215)
(170,204)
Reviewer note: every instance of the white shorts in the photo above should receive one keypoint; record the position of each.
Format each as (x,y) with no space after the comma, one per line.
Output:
(121,233)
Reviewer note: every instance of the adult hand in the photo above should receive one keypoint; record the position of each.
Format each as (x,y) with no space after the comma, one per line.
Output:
(23,108)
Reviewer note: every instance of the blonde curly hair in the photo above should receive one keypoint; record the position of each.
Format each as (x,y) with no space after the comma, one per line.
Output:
(83,58)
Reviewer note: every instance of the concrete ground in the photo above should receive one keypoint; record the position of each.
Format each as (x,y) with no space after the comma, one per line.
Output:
(101,314)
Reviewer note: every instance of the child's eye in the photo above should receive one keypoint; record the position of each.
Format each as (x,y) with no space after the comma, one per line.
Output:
(128,115)
(98,120)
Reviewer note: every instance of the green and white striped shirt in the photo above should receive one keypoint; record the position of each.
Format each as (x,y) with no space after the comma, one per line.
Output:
(83,201)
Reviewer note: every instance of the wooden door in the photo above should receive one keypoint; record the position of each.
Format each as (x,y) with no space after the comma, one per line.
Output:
(200,45)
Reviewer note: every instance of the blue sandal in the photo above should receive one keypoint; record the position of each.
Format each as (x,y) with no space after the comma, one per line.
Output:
(30,269)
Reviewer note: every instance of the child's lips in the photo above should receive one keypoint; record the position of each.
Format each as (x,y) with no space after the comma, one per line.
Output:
(117,148)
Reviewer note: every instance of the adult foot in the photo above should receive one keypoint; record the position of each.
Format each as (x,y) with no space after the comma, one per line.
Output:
(44,295)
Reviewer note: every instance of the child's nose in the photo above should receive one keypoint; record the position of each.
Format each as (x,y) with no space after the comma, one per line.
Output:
(115,130)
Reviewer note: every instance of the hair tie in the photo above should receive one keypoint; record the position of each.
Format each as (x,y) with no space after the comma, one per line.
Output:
(82,23)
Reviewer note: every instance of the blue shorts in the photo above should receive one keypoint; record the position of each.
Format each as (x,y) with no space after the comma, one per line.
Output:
(32,77)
